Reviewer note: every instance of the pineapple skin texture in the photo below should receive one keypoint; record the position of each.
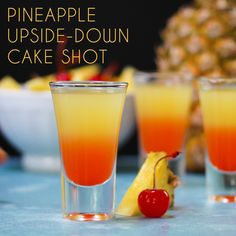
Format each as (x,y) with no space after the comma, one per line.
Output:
(145,180)
(200,40)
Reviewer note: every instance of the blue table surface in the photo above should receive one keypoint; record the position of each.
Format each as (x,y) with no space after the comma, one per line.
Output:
(30,205)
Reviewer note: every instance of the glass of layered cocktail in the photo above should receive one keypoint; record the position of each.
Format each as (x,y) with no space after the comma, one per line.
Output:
(218,103)
(163,103)
(88,118)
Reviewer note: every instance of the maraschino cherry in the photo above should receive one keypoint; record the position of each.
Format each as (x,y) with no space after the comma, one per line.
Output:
(63,76)
(154,203)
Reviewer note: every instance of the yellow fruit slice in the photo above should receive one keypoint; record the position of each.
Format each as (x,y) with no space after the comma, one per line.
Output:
(49,78)
(144,180)
(165,179)
(127,75)
(8,82)
(37,84)
(85,72)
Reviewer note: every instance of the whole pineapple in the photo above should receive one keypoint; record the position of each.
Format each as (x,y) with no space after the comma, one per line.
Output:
(200,39)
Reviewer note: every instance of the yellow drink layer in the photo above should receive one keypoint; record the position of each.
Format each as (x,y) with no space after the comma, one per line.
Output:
(162,101)
(88,121)
(219,107)
(88,113)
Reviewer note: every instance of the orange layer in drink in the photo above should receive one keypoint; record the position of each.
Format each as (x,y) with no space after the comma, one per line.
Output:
(222,147)
(219,116)
(88,162)
(158,134)
(88,124)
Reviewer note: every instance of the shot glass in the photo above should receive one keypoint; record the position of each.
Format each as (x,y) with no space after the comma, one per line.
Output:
(218,103)
(88,118)
(163,103)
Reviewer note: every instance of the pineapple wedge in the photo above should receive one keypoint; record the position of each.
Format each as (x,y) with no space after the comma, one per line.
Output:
(8,82)
(165,179)
(37,84)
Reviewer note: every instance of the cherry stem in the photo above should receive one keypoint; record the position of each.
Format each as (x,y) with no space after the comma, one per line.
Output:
(171,156)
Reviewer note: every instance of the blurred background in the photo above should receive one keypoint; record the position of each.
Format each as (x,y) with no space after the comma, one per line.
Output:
(145,21)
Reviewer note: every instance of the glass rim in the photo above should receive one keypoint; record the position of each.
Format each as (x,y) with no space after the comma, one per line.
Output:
(156,73)
(217,80)
(211,83)
(87,84)
(151,76)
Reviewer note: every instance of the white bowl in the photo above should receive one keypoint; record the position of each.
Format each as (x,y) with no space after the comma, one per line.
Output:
(27,121)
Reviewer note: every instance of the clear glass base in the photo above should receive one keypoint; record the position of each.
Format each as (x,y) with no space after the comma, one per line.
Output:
(88,203)
(87,217)
(221,186)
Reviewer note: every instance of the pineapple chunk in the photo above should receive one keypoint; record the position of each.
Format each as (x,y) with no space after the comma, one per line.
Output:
(165,179)
(50,78)
(37,84)
(8,82)
(85,72)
